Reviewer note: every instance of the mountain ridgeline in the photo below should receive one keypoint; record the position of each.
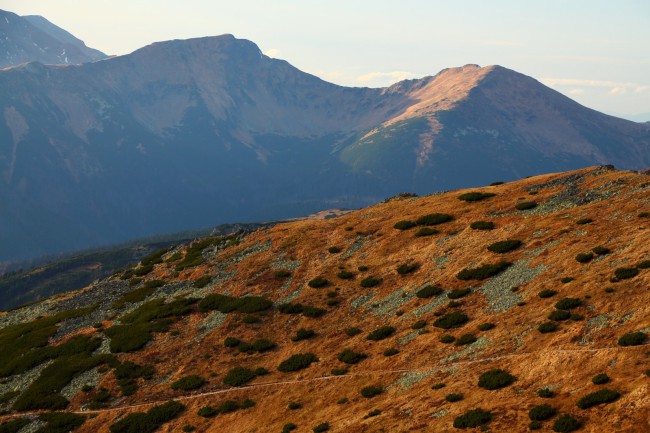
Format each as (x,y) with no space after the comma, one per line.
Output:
(192,133)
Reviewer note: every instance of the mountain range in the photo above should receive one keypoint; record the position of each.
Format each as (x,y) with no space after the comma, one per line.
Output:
(33,38)
(513,307)
(192,133)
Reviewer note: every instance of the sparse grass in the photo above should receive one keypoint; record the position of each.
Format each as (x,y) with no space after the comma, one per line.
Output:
(506,246)
(483,272)
(495,379)
(601,396)
(482,225)
(474,196)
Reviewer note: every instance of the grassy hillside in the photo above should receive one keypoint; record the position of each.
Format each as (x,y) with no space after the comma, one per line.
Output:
(517,307)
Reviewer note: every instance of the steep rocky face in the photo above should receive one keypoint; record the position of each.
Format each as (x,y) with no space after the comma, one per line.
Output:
(394,317)
(35,39)
(189,134)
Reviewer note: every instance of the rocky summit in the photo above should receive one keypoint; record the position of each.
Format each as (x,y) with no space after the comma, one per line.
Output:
(511,307)
(188,134)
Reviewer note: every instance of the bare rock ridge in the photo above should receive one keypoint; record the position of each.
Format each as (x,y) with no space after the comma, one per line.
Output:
(192,133)
(35,39)
(509,307)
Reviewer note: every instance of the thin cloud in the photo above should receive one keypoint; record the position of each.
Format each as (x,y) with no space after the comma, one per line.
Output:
(385,76)
(579,86)
(618,91)
(273,52)
(576,91)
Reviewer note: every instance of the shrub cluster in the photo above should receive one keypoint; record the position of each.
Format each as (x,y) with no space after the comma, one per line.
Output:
(426,231)
(227,406)
(459,293)
(601,396)
(568,303)
(229,304)
(381,333)
(139,294)
(429,291)
(465,339)
(318,282)
(455,319)
(305,310)
(297,362)
(566,423)
(542,412)
(371,391)
(351,332)
(584,257)
(486,326)
(526,205)
(583,221)
(547,327)
(502,247)
(559,315)
(404,225)
(495,379)
(303,334)
(407,268)
(454,397)
(600,379)
(334,250)
(188,383)
(322,427)
(601,250)
(345,275)
(370,282)
(473,418)
(547,293)
(239,376)
(482,225)
(475,196)
(626,273)
(433,219)
(202,282)
(483,272)
(138,422)
(349,356)
(632,339)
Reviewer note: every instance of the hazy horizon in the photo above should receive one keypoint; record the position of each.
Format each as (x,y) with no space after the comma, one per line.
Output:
(593,52)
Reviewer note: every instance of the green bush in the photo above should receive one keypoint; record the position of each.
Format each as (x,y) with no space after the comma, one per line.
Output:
(381,333)
(454,397)
(139,294)
(322,427)
(370,282)
(482,225)
(465,339)
(229,304)
(535,425)
(371,391)
(188,383)
(547,293)
(459,293)
(349,356)
(600,379)
(502,247)
(545,393)
(565,280)
(483,272)
(568,303)
(312,312)
(202,282)
(138,422)
(303,334)
(632,339)
(433,219)
(475,196)
(407,268)
(455,319)
(297,362)
(601,396)
(473,418)
(390,352)
(261,345)
(583,221)
(495,379)
(60,422)
(345,275)
(143,270)
(288,427)
(351,332)
(419,324)
(282,273)
(362,268)
(429,291)
(542,412)
(486,326)
(294,405)
(333,250)
(207,412)
(438,386)
(447,339)
(645,264)
(584,257)
(559,315)
(601,250)
(626,273)
(231,342)
(426,231)
(340,371)
(547,327)
(14,425)
(372,413)
(318,282)
(238,376)
(566,423)
(526,205)
(404,225)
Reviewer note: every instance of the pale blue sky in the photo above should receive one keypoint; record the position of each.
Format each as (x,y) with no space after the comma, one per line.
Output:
(596,52)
